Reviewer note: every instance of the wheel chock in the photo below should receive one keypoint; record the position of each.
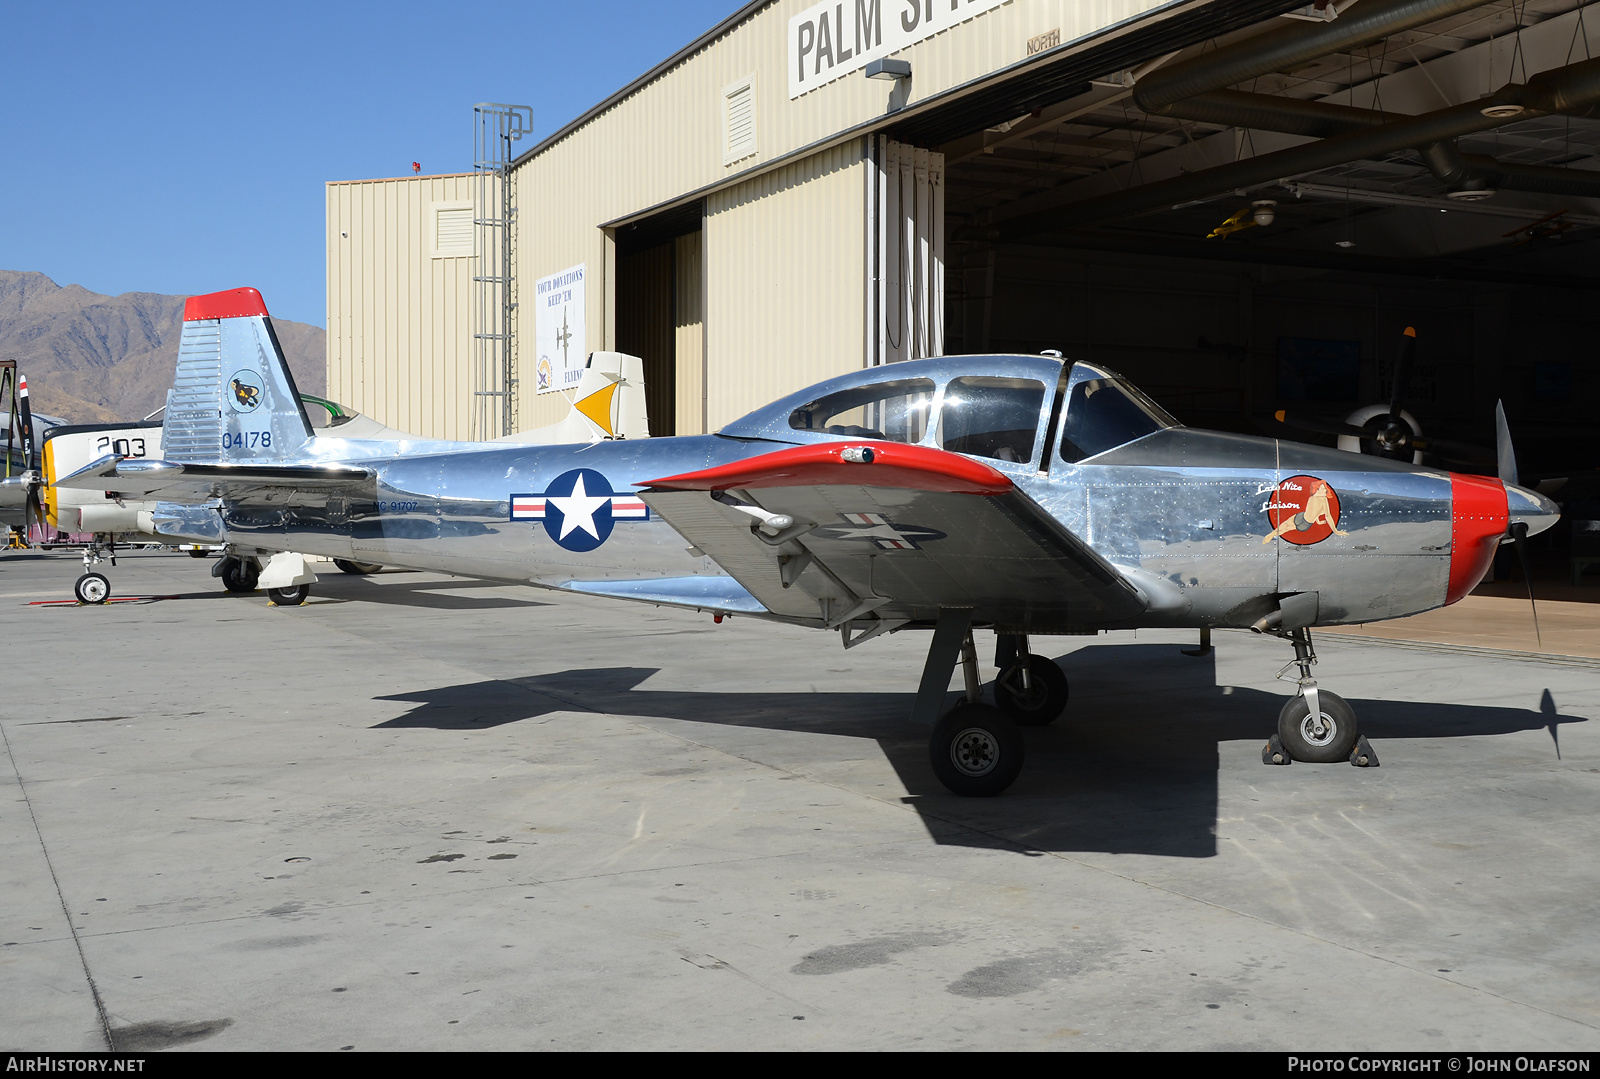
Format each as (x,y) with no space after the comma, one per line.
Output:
(1362,755)
(1274,753)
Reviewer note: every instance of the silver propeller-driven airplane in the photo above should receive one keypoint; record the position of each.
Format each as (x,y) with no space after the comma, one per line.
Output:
(1023,494)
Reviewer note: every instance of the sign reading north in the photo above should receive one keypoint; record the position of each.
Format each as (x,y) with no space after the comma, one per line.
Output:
(244,391)
(579,509)
(1302,510)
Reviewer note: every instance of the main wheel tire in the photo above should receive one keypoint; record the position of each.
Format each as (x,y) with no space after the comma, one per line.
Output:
(195,552)
(240,576)
(92,588)
(289,597)
(976,750)
(359,568)
(1042,702)
(1327,740)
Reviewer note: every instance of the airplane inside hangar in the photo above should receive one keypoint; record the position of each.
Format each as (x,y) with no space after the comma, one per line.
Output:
(1243,208)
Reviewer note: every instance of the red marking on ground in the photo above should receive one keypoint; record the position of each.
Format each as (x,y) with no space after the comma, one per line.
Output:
(113,599)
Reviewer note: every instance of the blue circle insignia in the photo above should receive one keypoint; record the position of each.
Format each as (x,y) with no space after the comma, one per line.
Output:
(244,391)
(577,512)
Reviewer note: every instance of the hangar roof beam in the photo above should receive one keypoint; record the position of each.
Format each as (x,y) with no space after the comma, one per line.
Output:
(1287,47)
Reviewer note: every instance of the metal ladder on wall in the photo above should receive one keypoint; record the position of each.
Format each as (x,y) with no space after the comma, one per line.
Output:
(495,128)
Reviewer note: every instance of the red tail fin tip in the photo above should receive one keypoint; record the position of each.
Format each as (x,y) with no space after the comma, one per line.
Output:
(231,303)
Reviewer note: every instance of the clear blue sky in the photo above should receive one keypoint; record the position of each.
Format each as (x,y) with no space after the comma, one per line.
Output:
(182,148)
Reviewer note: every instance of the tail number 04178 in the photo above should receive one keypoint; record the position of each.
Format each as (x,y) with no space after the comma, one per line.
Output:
(246,440)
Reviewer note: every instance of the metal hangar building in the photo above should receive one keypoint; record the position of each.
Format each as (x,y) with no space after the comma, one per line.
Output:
(1238,203)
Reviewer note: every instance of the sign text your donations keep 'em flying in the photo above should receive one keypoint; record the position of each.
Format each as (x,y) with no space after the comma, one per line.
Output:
(834,38)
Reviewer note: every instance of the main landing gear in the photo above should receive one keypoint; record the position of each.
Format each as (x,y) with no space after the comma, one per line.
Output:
(977,749)
(1315,726)
(93,587)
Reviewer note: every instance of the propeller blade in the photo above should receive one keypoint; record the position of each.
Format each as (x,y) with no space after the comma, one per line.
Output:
(1402,367)
(1519,539)
(1505,456)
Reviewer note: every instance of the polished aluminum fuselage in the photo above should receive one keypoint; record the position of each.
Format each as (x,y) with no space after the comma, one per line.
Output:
(1180,512)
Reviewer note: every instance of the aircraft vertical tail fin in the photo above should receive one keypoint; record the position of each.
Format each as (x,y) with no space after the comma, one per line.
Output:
(233,397)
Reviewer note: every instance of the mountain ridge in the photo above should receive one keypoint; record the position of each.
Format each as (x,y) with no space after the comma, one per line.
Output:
(91,358)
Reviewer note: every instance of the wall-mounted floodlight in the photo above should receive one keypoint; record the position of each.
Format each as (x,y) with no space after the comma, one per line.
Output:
(889,69)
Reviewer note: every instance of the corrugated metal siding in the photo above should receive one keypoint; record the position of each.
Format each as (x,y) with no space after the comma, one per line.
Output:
(785,281)
(667,139)
(688,329)
(399,320)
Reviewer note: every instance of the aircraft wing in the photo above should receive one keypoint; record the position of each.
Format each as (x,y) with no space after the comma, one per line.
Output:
(843,531)
(175,481)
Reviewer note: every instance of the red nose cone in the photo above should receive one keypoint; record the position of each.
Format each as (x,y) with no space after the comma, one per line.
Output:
(233,303)
(1478,518)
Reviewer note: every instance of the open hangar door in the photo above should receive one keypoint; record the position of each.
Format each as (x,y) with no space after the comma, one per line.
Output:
(1247,226)
(659,314)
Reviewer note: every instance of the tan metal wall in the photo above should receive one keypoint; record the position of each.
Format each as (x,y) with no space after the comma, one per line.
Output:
(689,331)
(399,347)
(666,139)
(399,319)
(785,281)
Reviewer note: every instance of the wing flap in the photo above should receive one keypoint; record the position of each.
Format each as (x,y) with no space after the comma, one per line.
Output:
(900,533)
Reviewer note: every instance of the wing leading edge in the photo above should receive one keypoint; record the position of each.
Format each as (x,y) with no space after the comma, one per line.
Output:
(174,481)
(850,532)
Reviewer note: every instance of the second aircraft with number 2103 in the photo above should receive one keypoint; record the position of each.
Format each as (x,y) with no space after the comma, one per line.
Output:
(1026,495)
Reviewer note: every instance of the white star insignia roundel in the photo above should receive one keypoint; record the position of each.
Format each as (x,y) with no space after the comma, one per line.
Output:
(579,509)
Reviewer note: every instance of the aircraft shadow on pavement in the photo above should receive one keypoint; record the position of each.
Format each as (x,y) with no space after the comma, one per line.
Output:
(433,595)
(1131,768)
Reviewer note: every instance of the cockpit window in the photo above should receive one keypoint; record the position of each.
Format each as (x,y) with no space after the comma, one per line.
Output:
(991,416)
(894,411)
(1105,413)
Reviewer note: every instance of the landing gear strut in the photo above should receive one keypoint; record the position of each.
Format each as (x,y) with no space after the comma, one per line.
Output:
(1030,689)
(93,587)
(976,749)
(1316,726)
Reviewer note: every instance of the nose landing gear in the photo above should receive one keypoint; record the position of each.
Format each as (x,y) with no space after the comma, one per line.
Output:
(1316,726)
(93,587)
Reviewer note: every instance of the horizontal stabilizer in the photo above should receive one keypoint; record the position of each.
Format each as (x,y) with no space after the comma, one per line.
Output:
(184,481)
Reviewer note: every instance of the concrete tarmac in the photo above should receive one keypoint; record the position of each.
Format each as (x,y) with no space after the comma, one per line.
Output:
(432,813)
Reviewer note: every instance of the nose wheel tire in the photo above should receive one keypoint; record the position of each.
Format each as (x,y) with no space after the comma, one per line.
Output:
(92,588)
(240,576)
(289,597)
(976,750)
(1042,702)
(1327,738)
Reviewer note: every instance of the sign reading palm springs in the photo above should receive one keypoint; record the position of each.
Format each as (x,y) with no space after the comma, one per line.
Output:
(558,329)
(830,40)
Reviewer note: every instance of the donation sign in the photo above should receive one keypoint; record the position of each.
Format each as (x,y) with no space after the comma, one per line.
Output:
(558,329)
(830,40)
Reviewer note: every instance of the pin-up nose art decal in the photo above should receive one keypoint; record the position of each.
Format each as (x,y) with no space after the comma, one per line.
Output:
(1302,510)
